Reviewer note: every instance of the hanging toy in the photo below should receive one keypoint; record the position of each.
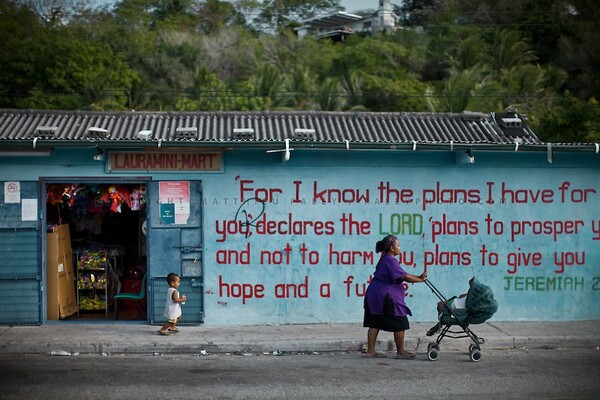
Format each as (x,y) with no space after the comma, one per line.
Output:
(116,195)
(138,198)
(142,196)
(54,194)
(95,202)
(70,192)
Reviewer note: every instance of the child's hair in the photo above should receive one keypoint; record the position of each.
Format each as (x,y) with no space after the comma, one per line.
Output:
(171,277)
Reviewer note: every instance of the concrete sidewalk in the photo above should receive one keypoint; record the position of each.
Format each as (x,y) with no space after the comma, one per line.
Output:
(116,338)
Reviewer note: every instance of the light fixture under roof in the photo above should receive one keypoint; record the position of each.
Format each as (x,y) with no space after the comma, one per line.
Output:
(95,132)
(145,134)
(304,133)
(46,130)
(186,132)
(243,133)
(514,122)
(473,116)
(99,156)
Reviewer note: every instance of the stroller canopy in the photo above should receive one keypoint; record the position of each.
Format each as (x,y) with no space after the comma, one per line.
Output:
(480,304)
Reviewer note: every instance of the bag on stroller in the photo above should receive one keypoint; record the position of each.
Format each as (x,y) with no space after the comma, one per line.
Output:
(475,307)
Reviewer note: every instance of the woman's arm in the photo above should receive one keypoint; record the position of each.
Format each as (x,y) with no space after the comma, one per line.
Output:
(414,278)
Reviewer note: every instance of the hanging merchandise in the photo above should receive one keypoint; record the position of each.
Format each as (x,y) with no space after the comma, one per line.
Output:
(70,193)
(116,195)
(104,219)
(138,198)
(54,194)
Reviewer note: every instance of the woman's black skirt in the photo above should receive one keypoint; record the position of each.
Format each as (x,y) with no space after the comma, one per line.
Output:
(386,322)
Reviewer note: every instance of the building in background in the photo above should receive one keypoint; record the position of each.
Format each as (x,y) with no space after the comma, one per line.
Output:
(339,25)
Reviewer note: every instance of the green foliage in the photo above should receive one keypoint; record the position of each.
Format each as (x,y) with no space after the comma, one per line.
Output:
(329,95)
(212,94)
(509,49)
(386,94)
(539,56)
(375,57)
(216,14)
(468,89)
(60,70)
(570,119)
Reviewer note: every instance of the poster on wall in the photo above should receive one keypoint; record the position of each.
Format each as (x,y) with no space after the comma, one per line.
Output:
(298,250)
(12,192)
(174,199)
(29,210)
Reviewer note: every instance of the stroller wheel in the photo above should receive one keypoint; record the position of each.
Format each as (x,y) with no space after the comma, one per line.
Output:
(473,347)
(433,352)
(475,355)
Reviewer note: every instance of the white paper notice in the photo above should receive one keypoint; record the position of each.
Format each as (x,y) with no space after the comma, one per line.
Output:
(12,192)
(29,210)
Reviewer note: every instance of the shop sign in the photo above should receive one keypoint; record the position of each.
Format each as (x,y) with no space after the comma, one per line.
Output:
(175,161)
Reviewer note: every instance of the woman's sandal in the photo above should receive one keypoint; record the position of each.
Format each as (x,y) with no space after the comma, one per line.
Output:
(408,356)
(174,330)
(164,333)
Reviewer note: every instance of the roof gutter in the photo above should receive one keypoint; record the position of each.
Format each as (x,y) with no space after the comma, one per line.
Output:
(45,144)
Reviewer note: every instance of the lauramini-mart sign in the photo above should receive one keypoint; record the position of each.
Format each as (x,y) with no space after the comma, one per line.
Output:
(167,161)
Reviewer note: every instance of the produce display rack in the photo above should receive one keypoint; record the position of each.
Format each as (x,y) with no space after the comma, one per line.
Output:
(92,280)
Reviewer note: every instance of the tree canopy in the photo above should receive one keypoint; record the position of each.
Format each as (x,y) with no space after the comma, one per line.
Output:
(539,56)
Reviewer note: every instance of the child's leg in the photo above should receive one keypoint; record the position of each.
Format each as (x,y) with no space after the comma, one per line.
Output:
(173,327)
(165,328)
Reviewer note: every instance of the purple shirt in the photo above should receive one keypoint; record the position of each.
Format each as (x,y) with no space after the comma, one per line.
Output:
(387,279)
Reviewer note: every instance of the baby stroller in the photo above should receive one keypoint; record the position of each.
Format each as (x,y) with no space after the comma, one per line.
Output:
(475,308)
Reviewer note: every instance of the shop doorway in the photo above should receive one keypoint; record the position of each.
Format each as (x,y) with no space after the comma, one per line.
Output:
(96,241)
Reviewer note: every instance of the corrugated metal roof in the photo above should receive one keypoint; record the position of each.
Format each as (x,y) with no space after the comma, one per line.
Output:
(339,18)
(256,128)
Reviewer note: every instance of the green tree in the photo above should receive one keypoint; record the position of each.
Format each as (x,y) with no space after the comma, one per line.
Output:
(394,95)
(267,82)
(382,68)
(20,29)
(330,96)
(212,94)
(415,12)
(300,85)
(470,89)
(55,66)
(230,53)
(510,49)
(569,119)
(216,14)
(353,85)
(579,49)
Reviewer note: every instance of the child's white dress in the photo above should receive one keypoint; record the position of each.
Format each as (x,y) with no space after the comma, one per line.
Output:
(172,309)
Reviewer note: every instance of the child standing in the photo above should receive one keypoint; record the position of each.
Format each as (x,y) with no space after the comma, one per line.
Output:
(172,305)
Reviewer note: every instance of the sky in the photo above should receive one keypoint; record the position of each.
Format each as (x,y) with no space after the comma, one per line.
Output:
(354,5)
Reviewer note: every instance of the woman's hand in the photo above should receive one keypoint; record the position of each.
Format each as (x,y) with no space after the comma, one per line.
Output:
(414,278)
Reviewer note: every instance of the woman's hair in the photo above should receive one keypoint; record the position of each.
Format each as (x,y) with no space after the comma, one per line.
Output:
(384,245)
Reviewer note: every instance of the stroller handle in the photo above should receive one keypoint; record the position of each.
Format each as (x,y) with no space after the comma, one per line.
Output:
(435,290)
(444,301)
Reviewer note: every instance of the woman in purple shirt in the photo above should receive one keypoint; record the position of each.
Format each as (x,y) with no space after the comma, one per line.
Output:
(385,308)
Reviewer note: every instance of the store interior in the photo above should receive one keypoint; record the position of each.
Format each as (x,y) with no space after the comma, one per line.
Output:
(107,238)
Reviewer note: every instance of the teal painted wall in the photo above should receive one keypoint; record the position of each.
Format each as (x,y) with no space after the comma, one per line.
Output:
(304,253)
